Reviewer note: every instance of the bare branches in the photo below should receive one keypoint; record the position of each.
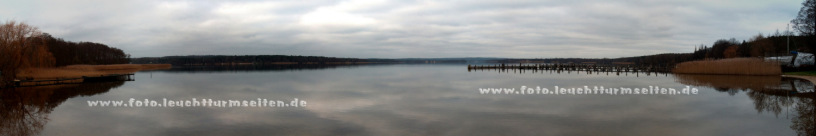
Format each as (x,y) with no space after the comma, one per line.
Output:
(805,22)
(18,50)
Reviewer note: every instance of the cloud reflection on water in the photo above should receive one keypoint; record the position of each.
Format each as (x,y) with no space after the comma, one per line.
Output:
(422,100)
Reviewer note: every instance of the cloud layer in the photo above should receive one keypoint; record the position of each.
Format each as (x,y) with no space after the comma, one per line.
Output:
(399,29)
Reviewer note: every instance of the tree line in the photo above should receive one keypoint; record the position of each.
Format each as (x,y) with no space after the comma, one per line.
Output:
(24,46)
(90,53)
(210,60)
(236,59)
(758,46)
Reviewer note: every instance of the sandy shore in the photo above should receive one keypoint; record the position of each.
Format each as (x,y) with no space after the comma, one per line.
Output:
(73,71)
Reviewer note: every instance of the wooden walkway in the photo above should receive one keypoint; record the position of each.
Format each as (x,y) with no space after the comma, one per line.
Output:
(83,79)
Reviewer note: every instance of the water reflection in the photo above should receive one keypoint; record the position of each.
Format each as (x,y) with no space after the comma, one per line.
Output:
(771,94)
(570,71)
(410,100)
(26,109)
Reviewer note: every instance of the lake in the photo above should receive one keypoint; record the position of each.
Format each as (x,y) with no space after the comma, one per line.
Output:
(405,99)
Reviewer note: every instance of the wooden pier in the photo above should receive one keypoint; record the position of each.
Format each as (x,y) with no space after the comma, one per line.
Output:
(83,79)
(588,68)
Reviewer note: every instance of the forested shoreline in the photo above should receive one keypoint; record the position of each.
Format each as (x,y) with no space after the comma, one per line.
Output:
(758,46)
(210,60)
(24,46)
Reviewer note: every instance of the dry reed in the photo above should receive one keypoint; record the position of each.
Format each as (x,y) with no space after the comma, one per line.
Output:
(73,71)
(735,66)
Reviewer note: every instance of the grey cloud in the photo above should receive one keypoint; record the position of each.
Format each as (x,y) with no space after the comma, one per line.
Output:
(395,29)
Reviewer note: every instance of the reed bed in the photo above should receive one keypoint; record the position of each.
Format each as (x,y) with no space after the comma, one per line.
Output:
(118,67)
(735,66)
(73,71)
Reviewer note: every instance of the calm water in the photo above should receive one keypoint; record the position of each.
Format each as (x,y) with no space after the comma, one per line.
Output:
(413,100)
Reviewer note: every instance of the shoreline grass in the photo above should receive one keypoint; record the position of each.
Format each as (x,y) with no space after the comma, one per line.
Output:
(73,71)
(734,66)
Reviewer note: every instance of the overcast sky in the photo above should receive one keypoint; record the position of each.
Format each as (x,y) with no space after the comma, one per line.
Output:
(400,29)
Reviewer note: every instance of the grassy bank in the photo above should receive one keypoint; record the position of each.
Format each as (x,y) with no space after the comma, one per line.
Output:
(86,70)
(735,66)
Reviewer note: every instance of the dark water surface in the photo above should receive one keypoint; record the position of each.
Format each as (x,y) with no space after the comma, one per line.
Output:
(413,100)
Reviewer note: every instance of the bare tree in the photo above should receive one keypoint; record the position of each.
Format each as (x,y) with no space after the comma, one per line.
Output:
(761,46)
(805,22)
(19,50)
